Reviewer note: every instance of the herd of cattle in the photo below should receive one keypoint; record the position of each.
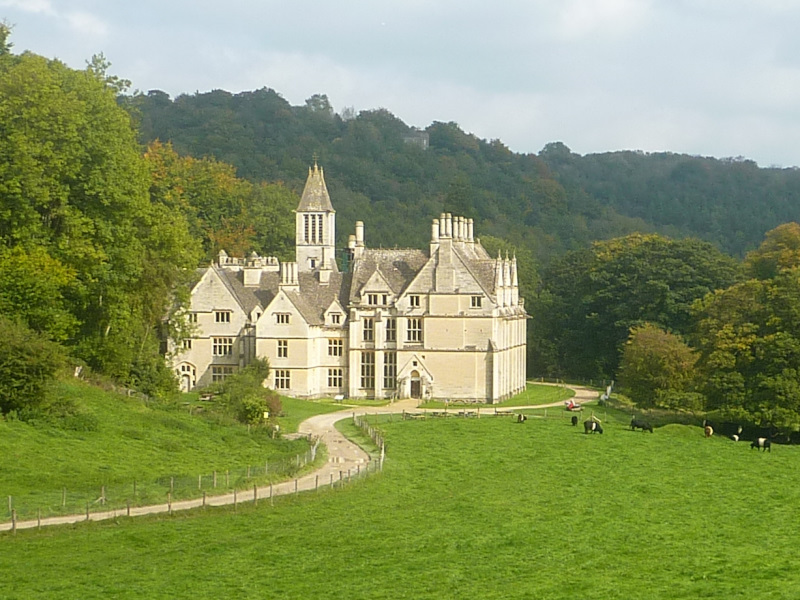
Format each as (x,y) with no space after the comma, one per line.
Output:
(760,438)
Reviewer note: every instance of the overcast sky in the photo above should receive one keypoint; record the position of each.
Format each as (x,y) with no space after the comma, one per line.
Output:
(707,77)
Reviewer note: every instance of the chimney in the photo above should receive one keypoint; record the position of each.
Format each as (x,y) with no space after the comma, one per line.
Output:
(434,236)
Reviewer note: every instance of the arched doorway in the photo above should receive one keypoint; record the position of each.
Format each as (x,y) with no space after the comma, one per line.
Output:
(188,377)
(416,385)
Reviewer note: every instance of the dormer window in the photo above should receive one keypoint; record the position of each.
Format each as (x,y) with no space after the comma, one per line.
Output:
(336,318)
(385,299)
(413,301)
(372,299)
(475,302)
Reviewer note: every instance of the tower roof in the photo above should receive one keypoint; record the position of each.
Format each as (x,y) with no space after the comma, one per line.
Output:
(315,195)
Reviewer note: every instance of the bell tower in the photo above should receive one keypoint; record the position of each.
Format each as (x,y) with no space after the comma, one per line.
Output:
(315,227)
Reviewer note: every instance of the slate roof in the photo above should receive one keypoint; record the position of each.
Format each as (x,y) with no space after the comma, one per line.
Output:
(398,267)
(315,196)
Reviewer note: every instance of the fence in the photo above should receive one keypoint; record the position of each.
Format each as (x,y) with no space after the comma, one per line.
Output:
(123,495)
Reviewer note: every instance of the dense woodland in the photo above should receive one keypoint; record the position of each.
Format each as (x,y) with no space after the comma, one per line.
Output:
(674,274)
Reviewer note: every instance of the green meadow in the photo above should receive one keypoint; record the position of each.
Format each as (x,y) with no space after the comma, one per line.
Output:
(534,394)
(116,443)
(464,508)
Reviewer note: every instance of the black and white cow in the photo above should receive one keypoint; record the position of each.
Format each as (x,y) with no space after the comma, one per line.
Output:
(643,425)
(592,427)
(762,443)
(574,420)
(521,418)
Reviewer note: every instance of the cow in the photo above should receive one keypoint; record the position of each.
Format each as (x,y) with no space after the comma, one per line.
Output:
(574,420)
(708,431)
(521,418)
(592,426)
(762,443)
(643,425)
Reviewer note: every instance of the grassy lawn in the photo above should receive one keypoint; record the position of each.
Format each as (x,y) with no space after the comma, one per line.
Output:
(123,441)
(534,394)
(465,508)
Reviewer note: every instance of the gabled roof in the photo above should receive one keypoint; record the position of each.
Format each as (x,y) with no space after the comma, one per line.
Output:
(315,196)
(398,268)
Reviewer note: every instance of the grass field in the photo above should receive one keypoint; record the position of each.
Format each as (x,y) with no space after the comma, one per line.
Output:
(534,394)
(123,440)
(465,508)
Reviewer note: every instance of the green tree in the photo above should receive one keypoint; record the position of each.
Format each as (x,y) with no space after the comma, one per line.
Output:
(779,250)
(592,298)
(245,396)
(748,337)
(28,365)
(657,368)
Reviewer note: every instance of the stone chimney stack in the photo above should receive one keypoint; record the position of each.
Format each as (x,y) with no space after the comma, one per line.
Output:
(289,279)
(434,236)
(359,247)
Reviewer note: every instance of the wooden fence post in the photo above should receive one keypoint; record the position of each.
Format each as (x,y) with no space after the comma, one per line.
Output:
(199,482)
(316,483)
(13,520)
(271,501)
(128,507)
(87,511)
(215,479)
(63,497)
(169,502)
(255,495)
(204,499)
(234,499)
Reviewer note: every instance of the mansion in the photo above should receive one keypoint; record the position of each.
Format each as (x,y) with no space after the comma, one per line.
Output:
(445,323)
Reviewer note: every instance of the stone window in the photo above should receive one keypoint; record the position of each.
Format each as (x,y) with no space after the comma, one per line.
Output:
(335,378)
(282,318)
(283,379)
(220,373)
(414,330)
(368,370)
(222,316)
(283,348)
(222,346)
(391,330)
(390,370)
(335,347)
(369,329)
(475,302)
(413,301)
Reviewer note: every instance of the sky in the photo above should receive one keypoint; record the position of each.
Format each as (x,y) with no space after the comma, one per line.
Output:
(703,77)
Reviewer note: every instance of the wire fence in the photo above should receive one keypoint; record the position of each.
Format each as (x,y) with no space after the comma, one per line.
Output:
(121,495)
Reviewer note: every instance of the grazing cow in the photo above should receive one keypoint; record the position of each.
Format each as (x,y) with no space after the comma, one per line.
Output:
(592,426)
(574,420)
(735,437)
(762,443)
(708,431)
(643,425)
(521,418)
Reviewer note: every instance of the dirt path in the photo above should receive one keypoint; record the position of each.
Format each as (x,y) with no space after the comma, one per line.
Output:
(345,460)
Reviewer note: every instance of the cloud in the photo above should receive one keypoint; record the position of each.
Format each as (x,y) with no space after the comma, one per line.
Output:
(87,24)
(33,6)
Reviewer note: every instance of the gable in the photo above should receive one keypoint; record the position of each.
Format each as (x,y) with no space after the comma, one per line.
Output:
(213,293)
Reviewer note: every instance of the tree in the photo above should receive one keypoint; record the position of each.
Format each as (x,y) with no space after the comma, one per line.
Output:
(657,369)
(75,199)
(748,337)
(28,365)
(779,250)
(594,297)
(246,397)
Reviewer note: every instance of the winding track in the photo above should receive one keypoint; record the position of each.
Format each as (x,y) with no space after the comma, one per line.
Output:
(344,457)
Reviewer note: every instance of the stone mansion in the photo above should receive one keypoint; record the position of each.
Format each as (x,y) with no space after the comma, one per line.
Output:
(447,323)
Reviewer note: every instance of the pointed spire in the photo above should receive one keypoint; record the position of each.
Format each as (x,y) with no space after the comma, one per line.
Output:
(315,194)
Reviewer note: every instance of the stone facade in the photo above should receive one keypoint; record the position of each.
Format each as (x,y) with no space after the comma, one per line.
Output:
(446,323)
